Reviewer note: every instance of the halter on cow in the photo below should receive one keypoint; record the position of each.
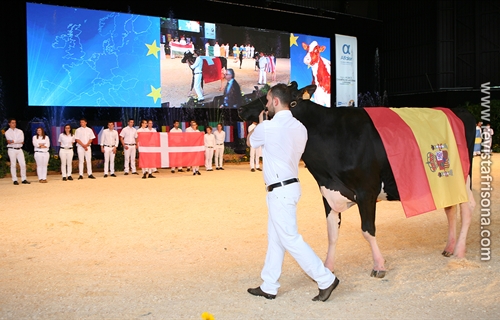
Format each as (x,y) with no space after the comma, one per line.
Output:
(345,155)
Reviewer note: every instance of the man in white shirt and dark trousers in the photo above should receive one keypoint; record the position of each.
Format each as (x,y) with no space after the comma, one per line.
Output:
(283,140)
(209,141)
(128,138)
(220,137)
(15,141)
(254,152)
(176,129)
(194,128)
(109,143)
(83,138)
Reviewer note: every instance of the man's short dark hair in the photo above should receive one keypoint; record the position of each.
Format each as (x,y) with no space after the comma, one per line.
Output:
(10,120)
(282,92)
(176,121)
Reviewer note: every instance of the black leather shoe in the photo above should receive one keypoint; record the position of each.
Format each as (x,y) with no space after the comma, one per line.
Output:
(259,169)
(324,294)
(80,177)
(135,173)
(188,169)
(25,182)
(113,175)
(221,168)
(198,173)
(217,168)
(65,179)
(126,173)
(91,177)
(173,171)
(151,176)
(70,178)
(253,170)
(144,176)
(258,292)
(16,183)
(105,176)
(180,170)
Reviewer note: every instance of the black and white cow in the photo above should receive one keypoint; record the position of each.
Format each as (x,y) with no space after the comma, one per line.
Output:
(346,157)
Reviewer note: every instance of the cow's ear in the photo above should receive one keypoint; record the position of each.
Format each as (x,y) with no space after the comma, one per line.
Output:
(306,92)
(305,46)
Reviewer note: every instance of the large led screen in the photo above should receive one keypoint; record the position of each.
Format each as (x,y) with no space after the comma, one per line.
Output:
(81,57)
(91,58)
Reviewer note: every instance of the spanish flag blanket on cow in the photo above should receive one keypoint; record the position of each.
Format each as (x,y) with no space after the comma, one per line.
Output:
(427,151)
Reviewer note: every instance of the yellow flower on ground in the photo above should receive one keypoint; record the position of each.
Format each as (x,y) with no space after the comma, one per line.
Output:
(3,131)
(207,316)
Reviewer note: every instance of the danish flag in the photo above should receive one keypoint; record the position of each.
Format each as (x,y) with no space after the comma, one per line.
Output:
(163,150)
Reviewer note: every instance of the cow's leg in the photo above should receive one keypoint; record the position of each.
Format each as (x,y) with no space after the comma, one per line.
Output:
(333,227)
(334,203)
(451,215)
(466,210)
(466,215)
(367,206)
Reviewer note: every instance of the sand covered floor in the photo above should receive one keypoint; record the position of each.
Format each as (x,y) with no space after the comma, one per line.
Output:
(180,245)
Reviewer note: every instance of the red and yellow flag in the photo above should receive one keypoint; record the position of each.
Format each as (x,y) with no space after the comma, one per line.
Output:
(428,155)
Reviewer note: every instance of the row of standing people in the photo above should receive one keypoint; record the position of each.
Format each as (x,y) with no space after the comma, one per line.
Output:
(83,137)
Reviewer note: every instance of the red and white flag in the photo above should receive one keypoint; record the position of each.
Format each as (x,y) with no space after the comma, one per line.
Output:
(163,150)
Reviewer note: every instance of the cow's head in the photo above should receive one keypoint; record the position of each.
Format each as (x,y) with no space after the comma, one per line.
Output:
(250,112)
(188,56)
(313,53)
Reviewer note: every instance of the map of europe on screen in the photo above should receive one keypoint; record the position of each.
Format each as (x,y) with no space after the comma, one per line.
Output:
(80,57)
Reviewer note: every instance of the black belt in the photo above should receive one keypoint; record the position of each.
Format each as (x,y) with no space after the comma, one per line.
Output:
(42,151)
(209,147)
(130,144)
(220,144)
(67,148)
(270,188)
(14,148)
(109,146)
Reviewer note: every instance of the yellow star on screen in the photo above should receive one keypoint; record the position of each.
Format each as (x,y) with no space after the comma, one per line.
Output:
(155,93)
(293,40)
(152,49)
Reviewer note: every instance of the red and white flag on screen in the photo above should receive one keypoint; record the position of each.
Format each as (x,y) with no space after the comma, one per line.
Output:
(163,150)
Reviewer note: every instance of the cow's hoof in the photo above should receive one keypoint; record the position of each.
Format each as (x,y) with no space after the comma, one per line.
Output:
(378,274)
(447,254)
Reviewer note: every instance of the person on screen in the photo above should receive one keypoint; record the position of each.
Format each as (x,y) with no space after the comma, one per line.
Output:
(232,92)
(41,143)
(235,52)
(83,137)
(216,49)
(15,141)
(241,58)
(262,68)
(196,66)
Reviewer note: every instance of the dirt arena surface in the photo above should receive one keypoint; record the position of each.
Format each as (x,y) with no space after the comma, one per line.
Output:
(180,245)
